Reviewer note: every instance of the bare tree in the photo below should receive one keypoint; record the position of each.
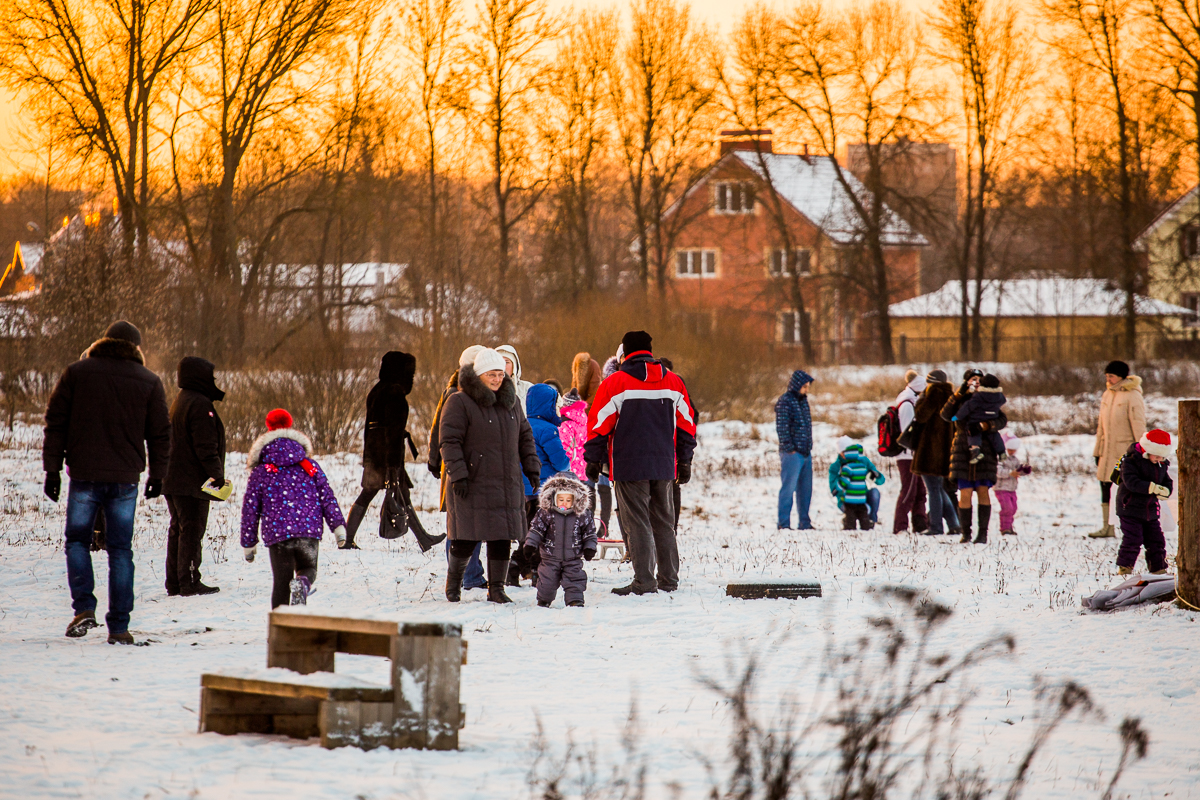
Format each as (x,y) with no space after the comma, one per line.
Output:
(984,42)
(1174,38)
(92,73)
(860,74)
(664,103)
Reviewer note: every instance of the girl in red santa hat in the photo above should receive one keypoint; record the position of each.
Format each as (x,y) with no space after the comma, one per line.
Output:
(1144,481)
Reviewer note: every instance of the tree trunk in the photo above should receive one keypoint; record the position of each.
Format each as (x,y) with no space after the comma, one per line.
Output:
(1187,491)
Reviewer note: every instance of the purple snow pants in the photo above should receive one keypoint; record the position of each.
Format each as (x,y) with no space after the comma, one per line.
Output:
(1008,509)
(1138,532)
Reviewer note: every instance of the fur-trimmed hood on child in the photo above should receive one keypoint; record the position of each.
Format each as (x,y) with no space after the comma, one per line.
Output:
(563,536)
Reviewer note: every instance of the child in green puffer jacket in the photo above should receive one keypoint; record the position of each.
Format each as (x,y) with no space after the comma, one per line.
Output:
(848,475)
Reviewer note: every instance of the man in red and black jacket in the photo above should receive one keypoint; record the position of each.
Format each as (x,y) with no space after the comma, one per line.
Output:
(643,425)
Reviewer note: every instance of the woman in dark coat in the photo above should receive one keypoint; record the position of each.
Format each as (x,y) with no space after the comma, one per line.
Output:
(486,445)
(972,479)
(931,455)
(384,439)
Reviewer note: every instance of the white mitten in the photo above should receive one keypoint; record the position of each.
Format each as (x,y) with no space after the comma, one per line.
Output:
(249,553)
(1161,491)
(340,533)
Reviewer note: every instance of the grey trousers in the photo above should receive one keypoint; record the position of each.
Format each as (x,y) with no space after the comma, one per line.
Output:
(568,574)
(645,511)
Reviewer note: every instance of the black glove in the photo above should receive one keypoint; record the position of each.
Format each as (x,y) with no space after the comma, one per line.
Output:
(535,480)
(528,552)
(683,472)
(1097,460)
(435,471)
(592,471)
(153,488)
(53,486)
(461,488)
(589,554)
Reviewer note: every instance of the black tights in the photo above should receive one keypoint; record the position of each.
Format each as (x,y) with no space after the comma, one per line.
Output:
(365,497)
(497,549)
(1105,492)
(292,558)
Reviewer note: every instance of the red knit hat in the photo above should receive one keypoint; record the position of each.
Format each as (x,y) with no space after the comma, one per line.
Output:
(1158,443)
(279,418)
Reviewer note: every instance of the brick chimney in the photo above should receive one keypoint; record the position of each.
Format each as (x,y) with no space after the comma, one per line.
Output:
(752,140)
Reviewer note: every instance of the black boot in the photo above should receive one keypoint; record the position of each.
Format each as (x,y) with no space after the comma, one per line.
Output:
(964,521)
(605,493)
(419,533)
(454,577)
(514,574)
(497,571)
(985,517)
(355,519)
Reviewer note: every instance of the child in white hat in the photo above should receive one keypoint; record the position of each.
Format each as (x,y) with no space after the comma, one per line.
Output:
(1010,470)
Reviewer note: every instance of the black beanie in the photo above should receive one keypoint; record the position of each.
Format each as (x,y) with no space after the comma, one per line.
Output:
(1118,368)
(124,330)
(635,341)
(990,381)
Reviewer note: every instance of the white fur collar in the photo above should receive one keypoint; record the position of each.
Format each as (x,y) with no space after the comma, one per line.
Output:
(270,436)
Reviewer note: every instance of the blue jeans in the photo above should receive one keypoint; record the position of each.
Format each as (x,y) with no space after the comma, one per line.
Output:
(473,579)
(119,501)
(873,505)
(796,479)
(941,505)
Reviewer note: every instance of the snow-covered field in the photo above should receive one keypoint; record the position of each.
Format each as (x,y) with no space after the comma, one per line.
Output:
(80,718)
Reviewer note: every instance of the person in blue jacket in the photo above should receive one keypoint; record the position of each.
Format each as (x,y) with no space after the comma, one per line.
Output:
(793,423)
(541,407)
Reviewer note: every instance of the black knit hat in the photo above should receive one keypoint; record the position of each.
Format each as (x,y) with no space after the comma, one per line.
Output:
(936,376)
(635,341)
(1118,368)
(124,330)
(990,381)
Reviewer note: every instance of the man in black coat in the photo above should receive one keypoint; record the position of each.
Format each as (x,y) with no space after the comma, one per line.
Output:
(197,457)
(104,411)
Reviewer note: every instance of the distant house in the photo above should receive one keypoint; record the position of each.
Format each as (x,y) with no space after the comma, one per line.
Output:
(728,254)
(1028,319)
(20,274)
(1171,244)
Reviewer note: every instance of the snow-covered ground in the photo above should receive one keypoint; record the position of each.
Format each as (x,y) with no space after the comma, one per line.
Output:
(80,718)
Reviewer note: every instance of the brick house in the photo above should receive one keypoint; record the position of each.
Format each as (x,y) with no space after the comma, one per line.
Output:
(728,255)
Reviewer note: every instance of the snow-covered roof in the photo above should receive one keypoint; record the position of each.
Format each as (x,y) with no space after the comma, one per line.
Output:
(1035,297)
(31,256)
(811,186)
(1168,214)
(359,275)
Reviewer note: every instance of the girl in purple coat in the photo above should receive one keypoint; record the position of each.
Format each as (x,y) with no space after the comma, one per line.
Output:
(290,493)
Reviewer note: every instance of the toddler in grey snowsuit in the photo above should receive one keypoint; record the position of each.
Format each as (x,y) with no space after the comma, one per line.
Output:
(565,532)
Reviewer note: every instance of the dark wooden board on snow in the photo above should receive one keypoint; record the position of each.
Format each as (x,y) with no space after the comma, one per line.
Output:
(773,589)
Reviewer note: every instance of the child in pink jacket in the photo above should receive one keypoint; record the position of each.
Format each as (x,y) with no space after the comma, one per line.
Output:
(573,430)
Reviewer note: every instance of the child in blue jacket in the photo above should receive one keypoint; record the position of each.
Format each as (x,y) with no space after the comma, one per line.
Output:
(848,475)
(541,407)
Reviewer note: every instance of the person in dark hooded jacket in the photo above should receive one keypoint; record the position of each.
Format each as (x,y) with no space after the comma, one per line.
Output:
(197,460)
(793,423)
(1145,480)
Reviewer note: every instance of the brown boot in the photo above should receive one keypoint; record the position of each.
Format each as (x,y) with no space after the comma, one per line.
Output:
(84,621)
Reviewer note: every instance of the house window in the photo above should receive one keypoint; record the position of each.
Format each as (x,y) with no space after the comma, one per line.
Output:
(1189,241)
(783,266)
(1191,301)
(735,198)
(695,263)
(788,330)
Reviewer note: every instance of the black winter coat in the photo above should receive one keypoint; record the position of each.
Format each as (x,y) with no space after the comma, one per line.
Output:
(932,453)
(386,430)
(486,440)
(197,433)
(104,412)
(961,468)
(1137,473)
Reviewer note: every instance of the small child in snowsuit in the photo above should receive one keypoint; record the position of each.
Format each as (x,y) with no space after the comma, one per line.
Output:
(1009,471)
(290,493)
(848,483)
(564,530)
(1144,480)
(983,405)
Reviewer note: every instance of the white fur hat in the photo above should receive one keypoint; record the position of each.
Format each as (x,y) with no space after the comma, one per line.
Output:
(468,355)
(1158,443)
(1011,440)
(843,442)
(487,360)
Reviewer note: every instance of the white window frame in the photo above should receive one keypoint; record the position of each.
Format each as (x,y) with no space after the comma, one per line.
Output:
(785,319)
(729,197)
(778,254)
(701,262)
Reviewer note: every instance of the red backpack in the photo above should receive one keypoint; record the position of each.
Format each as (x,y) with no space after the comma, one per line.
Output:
(889,433)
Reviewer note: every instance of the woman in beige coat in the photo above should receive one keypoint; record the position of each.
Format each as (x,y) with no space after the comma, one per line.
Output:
(1122,422)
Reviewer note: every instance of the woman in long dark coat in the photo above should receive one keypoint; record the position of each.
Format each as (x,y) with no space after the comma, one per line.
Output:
(973,479)
(486,445)
(931,456)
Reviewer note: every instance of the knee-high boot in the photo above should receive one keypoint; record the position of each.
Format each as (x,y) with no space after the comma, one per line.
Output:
(497,571)
(355,519)
(964,522)
(455,570)
(985,517)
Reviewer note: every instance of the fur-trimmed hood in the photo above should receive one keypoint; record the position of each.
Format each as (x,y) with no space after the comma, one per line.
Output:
(1131,384)
(989,390)
(296,447)
(115,348)
(472,386)
(564,482)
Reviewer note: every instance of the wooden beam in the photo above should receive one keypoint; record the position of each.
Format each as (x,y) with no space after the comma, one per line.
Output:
(1187,492)
(339,624)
